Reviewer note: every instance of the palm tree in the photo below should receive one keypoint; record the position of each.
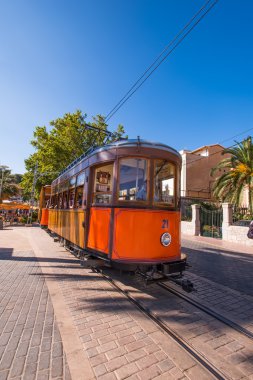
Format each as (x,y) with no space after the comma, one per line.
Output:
(238,174)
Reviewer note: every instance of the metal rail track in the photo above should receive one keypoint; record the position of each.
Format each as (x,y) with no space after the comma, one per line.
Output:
(208,311)
(198,356)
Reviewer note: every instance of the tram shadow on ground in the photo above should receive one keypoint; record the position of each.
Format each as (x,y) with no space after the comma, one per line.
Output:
(10,254)
(6,253)
(97,306)
(95,294)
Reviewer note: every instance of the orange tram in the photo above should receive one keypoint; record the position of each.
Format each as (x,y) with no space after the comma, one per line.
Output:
(120,203)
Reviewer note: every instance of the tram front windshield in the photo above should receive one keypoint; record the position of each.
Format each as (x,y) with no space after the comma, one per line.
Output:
(134,183)
(133,179)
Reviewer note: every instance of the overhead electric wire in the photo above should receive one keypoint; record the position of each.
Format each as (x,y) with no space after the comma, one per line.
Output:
(159,56)
(180,37)
(239,134)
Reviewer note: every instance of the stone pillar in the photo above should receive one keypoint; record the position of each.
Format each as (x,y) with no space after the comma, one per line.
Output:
(195,220)
(227,220)
(227,215)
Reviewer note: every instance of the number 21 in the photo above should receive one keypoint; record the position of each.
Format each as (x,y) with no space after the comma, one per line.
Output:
(165,223)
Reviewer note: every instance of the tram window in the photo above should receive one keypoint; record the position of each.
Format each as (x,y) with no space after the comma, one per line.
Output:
(102,190)
(60,201)
(72,184)
(79,197)
(79,190)
(164,182)
(71,198)
(133,179)
(54,203)
(51,202)
(65,200)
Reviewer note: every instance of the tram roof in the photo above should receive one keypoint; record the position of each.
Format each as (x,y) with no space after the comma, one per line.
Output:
(121,143)
(136,142)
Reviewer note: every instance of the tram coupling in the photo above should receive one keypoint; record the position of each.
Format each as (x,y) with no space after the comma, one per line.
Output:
(155,276)
(186,284)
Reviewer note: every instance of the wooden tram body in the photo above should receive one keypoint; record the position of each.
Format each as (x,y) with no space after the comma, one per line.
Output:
(44,199)
(121,203)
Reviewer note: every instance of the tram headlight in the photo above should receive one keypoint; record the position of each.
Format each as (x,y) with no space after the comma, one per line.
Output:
(165,239)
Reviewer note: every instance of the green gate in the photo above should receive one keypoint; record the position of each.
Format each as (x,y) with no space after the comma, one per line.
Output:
(211,222)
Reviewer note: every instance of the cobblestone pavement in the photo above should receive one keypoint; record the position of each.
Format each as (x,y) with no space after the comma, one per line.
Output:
(223,280)
(222,266)
(226,349)
(117,340)
(120,342)
(111,329)
(30,343)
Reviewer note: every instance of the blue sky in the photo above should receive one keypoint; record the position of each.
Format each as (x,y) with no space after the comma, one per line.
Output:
(59,56)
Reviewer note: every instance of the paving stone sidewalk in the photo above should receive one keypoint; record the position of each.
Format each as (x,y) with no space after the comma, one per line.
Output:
(117,341)
(120,342)
(30,342)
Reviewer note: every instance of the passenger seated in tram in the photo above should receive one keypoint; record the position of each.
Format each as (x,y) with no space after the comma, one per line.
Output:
(142,193)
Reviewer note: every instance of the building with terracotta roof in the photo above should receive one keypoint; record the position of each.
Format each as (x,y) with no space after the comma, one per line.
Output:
(196,179)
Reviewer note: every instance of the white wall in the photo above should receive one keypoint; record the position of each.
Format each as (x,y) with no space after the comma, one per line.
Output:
(230,233)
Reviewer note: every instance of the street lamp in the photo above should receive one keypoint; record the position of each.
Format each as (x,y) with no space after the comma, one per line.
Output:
(3,168)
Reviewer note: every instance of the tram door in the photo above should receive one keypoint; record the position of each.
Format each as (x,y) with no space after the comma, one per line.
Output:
(100,209)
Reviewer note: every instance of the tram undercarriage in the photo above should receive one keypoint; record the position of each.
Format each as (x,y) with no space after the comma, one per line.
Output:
(150,272)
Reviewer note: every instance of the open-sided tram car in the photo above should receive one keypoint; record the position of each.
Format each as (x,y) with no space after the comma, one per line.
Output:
(121,203)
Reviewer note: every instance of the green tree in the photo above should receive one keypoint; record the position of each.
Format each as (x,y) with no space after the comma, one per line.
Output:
(238,174)
(67,139)
(10,184)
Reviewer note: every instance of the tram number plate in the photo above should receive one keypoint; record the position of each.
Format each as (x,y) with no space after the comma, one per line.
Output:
(165,223)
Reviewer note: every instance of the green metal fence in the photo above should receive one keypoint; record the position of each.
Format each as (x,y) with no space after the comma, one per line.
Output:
(211,222)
